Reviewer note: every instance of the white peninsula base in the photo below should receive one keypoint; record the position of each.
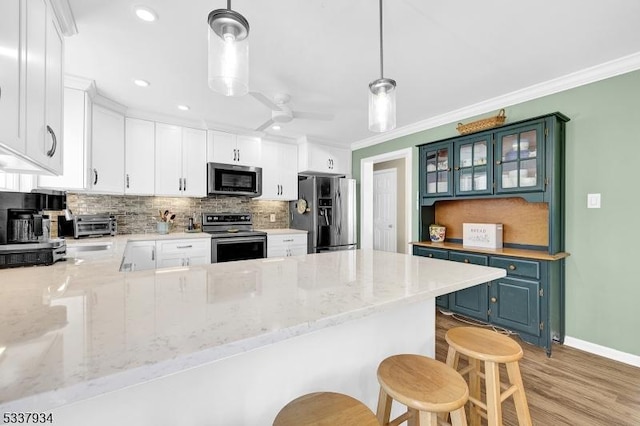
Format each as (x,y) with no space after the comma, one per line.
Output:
(250,388)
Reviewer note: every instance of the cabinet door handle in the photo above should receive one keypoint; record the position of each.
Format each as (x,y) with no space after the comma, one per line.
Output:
(127,180)
(430,255)
(54,145)
(179,184)
(498,162)
(494,300)
(184,184)
(95,177)
(456,168)
(184,247)
(238,155)
(153,254)
(466,261)
(512,267)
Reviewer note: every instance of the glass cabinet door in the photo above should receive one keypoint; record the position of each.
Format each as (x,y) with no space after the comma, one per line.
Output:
(473,168)
(437,178)
(519,159)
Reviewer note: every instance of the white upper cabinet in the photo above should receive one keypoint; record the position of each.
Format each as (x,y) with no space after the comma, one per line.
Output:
(228,148)
(139,157)
(194,165)
(76,107)
(107,151)
(279,177)
(180,161)
(318,158)
(11,79)
(43,87)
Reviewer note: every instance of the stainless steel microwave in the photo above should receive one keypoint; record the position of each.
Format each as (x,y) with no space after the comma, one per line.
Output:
(231,179)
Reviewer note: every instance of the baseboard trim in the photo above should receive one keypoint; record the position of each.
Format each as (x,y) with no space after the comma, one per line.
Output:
(603,351)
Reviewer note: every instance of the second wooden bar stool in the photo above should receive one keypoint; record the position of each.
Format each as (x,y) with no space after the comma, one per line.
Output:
(325,409)
(426,386)
(482,345)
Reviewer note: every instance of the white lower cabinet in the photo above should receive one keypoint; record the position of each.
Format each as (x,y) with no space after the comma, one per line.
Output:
(165,253)
(188,252)
(138,256)
(284,245)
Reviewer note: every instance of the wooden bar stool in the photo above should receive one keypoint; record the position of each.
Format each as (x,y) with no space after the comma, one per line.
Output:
(325,409)
(482,345)
(426,386)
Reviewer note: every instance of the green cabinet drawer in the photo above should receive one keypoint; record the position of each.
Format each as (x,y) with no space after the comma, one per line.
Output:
(476,259)
(517,267)
(432,253)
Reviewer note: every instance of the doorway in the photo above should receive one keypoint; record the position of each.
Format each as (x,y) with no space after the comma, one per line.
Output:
(402,161)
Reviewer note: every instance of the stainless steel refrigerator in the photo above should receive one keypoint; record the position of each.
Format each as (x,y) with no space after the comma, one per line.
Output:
(326,208)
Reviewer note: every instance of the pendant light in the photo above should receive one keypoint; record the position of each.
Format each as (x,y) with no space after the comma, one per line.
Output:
(382,97)
(228,52)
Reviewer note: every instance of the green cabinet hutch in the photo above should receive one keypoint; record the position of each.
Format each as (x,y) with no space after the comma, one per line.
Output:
(513,174)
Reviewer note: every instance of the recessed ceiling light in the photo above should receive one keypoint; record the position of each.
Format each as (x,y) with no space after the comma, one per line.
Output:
(275,127)
(183,107)
(141,83)
(145,13)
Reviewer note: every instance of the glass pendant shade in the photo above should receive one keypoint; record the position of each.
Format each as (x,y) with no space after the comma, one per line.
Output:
(382,105)
(228,53)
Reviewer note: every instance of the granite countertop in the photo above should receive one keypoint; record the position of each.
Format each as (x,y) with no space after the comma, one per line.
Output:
(80,328)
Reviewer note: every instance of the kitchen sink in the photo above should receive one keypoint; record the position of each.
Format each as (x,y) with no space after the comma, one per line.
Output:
(93,246)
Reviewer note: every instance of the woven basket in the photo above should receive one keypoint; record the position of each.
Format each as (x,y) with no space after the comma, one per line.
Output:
(484,124)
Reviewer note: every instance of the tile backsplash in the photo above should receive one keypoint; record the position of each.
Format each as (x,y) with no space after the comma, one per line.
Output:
(139,214)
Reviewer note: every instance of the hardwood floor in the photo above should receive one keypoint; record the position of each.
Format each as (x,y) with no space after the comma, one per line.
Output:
(571,388)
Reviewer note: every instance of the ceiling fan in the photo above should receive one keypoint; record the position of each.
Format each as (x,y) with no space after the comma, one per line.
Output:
(282,113)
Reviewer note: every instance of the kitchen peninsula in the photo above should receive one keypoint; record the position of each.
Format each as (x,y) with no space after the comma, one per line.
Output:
(225,343)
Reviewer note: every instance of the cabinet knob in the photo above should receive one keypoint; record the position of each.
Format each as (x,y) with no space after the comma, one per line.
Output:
(512,267)
(430,255)
(494,300)
(466,261)
(456,168)
(498,162)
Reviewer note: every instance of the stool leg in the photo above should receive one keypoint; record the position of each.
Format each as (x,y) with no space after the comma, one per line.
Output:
(458,417)
(519,397)
(428,419)
(492,379)
(384,407)
(474,391)
(452,358)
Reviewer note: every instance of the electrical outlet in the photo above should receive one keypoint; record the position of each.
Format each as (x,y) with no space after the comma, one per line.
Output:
(272,217)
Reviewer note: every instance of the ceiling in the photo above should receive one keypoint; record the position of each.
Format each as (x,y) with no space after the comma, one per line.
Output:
(444,55)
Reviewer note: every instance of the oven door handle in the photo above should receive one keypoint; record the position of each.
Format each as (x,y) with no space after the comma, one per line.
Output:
(239,240)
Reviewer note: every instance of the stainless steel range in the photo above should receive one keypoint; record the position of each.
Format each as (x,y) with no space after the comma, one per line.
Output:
(233,237)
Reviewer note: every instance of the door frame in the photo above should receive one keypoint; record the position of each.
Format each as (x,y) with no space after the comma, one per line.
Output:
(366,193)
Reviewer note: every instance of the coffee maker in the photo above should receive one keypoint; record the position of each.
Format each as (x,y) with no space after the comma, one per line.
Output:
(25,231)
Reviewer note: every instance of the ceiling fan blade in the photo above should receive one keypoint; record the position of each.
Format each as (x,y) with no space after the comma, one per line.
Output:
(265,125)
(312,115)
(266,101)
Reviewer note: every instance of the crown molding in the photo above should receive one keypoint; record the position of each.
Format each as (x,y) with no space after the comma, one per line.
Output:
(64,14)
(580,78)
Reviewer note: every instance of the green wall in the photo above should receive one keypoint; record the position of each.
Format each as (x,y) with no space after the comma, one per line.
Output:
(603,156)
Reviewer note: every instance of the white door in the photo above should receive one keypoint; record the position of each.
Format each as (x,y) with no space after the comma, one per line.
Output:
(384,210)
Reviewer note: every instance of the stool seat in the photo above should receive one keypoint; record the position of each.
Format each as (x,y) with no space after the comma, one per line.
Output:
(483,344)
(426,386)
(325,409)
